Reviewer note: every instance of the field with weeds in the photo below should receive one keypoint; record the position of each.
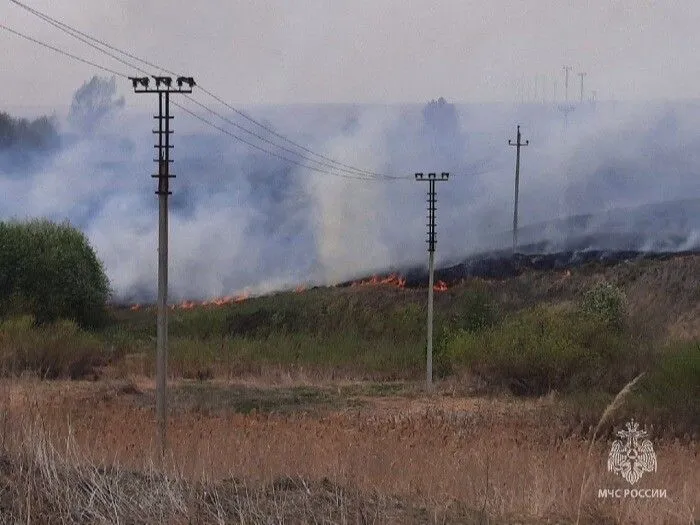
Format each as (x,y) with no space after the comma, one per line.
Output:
(310,407)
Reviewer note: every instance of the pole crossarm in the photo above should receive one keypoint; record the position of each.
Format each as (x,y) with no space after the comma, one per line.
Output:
(163,84)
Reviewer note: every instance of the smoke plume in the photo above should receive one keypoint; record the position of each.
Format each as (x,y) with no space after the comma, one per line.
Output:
(607,175)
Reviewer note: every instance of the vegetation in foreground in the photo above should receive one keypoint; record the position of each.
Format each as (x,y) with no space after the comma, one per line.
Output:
(84,452)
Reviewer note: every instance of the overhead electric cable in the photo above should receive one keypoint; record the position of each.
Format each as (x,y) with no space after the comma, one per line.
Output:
(223,130)
(273,132)
(288,150)
(82,36)
(281,157)
(69,29)
(62,52)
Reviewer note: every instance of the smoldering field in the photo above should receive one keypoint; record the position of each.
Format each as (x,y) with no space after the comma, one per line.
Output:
(244,220)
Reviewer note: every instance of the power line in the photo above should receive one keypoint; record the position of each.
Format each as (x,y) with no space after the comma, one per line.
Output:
(260,148)
(273,132)
(76,33)
(69,29)
(288,150)
(368,177)
(62,52)
(286,159)
(349,172)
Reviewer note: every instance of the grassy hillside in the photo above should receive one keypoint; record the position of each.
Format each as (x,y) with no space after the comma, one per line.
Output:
(583,333)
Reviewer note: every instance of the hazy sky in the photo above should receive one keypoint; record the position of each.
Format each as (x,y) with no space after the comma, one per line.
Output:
(264,51)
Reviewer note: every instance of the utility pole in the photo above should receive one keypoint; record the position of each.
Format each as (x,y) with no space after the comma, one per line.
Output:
(566,83)
(518,144)
(432,178)
(566,108)
(582,75)
(164,88)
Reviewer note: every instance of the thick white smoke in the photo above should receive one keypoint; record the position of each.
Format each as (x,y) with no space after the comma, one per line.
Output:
(243,220)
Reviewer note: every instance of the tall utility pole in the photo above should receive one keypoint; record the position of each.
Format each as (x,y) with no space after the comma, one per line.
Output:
(582,75)
(518,144)
(566,83)
(432,178)
(164,87)
(566,108)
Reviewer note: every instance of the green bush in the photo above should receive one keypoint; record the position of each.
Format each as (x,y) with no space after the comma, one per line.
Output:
(50,271)
(669,394)
(543,349)
(607,302)
(473,311)
(51,351)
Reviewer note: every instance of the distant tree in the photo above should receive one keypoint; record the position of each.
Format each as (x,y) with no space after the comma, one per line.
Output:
(93,102)
(441,130)
(24,134)
(440,117)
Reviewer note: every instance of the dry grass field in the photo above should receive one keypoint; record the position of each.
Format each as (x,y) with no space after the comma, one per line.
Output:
(301,452)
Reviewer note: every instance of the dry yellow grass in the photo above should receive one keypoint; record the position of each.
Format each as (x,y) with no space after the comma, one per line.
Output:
(500,458)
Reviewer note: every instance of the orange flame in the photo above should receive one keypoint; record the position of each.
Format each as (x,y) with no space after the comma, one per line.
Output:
(392,280)
(189,305)
(440,286)
(218,301)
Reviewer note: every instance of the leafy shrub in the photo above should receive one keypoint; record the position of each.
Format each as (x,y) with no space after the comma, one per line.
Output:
(607,302)
(54,350)
(543,349)
(669,394)
(50,271)
(476,310)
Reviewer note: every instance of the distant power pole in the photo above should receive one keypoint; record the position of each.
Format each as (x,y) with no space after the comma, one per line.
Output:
(582,75)
(518,144)
(164,87)
(432,178)
(566,108)
(566,83)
